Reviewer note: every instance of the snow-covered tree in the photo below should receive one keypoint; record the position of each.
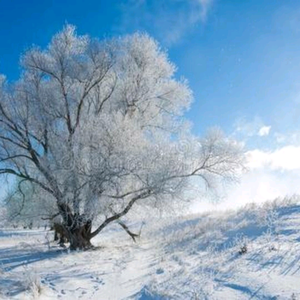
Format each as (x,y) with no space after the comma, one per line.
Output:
(99,127)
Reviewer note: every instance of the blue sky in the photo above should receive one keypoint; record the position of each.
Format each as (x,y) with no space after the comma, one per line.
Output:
(241,58)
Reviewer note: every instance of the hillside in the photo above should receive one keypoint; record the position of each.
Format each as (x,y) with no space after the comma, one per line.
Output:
(250,253)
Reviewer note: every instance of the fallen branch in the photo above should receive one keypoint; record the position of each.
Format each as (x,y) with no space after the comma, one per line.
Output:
(125,227)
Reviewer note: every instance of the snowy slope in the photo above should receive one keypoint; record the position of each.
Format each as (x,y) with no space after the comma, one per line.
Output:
(195,257)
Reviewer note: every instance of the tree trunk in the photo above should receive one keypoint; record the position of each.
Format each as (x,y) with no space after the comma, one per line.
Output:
(79,236)
(79,239)
(78,228)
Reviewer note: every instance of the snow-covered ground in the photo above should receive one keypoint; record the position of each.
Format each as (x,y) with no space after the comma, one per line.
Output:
(193,257)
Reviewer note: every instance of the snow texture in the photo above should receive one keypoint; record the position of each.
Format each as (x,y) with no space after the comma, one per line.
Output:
(192,257)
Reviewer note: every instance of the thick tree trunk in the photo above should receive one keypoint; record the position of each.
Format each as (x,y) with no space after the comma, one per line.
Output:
(79,236)
(79,241)
(78,228)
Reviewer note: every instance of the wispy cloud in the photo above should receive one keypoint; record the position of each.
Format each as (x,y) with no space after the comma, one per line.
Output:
(264,130)
(205,6)
(168,20)
(247,128)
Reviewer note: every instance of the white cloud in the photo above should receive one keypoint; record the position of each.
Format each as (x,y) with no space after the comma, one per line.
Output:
(285,158)
(169,20)
(256,186)
(270,174)
(265,130)
(261,185)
